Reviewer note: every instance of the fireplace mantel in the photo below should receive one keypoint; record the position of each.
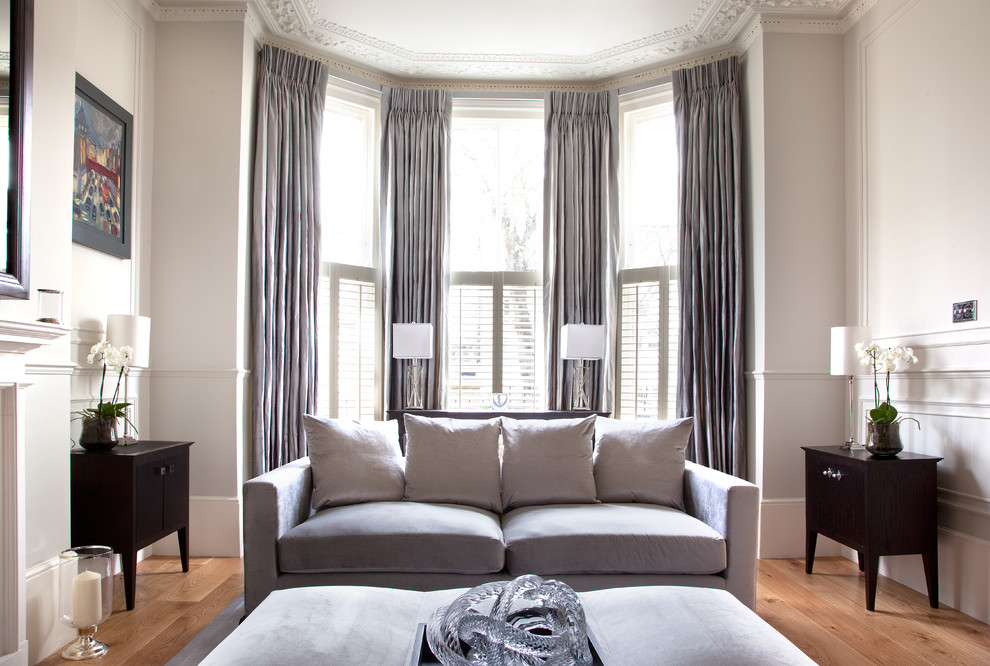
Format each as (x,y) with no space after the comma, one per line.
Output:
(17,338)
(20,337)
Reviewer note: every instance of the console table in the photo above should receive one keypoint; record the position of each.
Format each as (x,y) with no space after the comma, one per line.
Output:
(490,414)
(128,498)
(876,506)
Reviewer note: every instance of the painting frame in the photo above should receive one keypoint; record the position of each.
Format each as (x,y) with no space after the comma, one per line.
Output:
(103,138)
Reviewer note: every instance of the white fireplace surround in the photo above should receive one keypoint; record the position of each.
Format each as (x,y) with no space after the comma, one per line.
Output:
(17,338)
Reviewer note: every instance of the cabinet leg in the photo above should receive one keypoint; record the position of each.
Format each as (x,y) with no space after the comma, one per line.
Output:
(128,564)
(930,558)
(872,567)
(184,547)
(862,566)
(812,542)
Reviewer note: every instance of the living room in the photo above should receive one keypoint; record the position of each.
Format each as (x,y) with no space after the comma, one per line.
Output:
(860,193)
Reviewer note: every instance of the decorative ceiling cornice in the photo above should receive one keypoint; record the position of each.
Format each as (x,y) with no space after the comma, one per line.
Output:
(711,26)
(715,30)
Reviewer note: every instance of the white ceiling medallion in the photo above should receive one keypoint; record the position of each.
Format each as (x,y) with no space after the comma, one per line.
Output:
(713,25)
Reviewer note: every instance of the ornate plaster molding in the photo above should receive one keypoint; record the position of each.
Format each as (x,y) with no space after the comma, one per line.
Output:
(716,29)
(712,26)
(243,12)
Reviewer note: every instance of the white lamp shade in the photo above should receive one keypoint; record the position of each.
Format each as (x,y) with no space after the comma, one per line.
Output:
(844,339)
(578,341)
(412,340)
(132,330)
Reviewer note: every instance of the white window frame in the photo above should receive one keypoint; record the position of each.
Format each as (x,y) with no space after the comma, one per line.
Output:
(632,107)
(508,112)
(346,96)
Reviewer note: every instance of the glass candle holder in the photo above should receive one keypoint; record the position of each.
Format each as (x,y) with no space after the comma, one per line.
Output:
(50,306)
(85,597)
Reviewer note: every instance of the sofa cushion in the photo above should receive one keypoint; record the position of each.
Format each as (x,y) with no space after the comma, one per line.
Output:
(395,536)
(641,461)
(547,462)
(609,538)
(453,461)
(354,462)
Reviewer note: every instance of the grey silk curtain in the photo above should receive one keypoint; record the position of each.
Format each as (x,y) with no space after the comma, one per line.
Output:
(285,253)
(580,233)
(415,222)
(710,274)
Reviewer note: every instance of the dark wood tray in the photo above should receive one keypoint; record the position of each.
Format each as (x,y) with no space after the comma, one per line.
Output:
(423,655)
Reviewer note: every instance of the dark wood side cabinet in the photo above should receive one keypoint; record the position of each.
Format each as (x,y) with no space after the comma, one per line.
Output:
(876,506)
(128,498)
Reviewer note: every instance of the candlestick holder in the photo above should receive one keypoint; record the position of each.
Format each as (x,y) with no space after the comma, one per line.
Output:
(85,597)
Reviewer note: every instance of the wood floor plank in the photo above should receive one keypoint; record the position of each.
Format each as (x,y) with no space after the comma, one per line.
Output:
(903,615)
(824,614)
(836,636)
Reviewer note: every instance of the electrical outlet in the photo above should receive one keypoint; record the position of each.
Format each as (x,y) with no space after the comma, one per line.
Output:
(963,311)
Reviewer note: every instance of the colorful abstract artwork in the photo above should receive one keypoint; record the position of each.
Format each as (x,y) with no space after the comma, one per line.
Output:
(101,172)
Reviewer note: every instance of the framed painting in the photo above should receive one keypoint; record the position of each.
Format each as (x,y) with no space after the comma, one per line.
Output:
(101,172)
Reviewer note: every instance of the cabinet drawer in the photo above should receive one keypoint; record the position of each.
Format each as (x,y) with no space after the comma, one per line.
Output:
(835,500)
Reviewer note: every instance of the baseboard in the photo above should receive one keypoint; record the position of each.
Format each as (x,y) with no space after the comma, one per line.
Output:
(214,529)
(782,533)
(19,658)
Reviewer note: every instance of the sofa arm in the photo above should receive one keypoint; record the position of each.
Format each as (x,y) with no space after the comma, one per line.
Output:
(274,503)
(732,507)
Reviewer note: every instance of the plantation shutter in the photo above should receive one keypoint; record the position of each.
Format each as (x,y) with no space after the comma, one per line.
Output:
(648,329)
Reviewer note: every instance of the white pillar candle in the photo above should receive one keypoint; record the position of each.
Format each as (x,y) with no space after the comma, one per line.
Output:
(87,599)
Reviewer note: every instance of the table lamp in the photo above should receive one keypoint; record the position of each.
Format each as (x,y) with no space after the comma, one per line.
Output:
(846,364)
(413,342)
(579,342)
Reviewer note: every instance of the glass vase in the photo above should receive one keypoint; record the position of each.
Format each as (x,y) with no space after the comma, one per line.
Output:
(98,434)
(884,440)
(85,596)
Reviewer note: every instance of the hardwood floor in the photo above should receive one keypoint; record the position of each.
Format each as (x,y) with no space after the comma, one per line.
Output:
(823,614)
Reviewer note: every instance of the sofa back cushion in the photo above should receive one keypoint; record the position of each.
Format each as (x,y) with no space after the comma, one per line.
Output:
(641,461)
(354,462)
(547,462)
(453,461)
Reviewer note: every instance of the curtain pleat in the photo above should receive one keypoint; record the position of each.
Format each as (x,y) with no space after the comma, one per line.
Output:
(415,223)
(285,253)
(580,234)
(710,274)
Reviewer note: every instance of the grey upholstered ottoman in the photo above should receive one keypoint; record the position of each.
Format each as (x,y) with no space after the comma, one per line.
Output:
(377,626)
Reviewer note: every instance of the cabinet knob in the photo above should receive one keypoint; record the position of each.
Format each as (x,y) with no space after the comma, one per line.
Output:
(833,474)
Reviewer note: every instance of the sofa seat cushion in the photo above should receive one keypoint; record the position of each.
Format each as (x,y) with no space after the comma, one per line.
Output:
(609,538)
(395,536)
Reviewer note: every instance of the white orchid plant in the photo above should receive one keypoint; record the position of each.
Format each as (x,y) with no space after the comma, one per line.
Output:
(884,360)
(119,360)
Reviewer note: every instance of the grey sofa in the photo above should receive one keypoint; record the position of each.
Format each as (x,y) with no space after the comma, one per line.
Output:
(422,545)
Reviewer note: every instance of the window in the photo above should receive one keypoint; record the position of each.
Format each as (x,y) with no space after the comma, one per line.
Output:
(350,348)
(495,303)
(646,375)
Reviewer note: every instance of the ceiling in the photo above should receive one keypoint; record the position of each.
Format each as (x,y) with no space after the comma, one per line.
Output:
(522,40)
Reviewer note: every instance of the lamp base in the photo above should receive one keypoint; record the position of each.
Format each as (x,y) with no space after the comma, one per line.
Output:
(414,386)
(579,388)
(85,647)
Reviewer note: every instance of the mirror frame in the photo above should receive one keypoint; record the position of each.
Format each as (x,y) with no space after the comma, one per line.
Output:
(15,282)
